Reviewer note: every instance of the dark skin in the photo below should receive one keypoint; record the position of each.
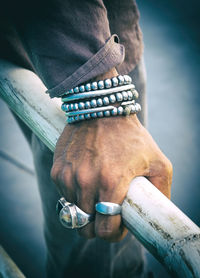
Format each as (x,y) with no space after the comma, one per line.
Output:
(96,160)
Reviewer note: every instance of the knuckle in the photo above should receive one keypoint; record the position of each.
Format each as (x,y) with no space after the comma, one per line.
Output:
(61,173)
(107,180)
(55,170)
(83,177)
(167,168)
(66,176)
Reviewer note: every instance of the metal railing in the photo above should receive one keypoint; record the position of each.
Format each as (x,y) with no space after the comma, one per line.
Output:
(157,223)
(8,268)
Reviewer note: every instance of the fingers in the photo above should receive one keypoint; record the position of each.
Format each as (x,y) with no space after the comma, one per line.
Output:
(77,187)
(85,187)
(64,180)
(86,202)
(92,189)
(107,227)
(110,228)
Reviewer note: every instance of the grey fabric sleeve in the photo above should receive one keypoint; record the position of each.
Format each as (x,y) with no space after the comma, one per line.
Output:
(68,42)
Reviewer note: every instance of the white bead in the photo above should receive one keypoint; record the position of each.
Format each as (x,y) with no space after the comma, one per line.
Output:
(115,81)
(87,116)
(75,106)
(71,107)
(94,115)
(99,114)
(87,104)
(81,105)
(130,95)
(101,85)
(133,110)
(119,97)
(125,95)
(93,103)
(138,107)
(120,110)
(126,79)
(127,110)
(81,117)
(106,113)
(71,91)
(88,87)
(108,83)
(76,118)
(94,86)
(120,80)
(112,98)
(76,90)
(67,108)
(106,101)
(129,79)
(99,102)
(114,112)
(136,94)
(82,88)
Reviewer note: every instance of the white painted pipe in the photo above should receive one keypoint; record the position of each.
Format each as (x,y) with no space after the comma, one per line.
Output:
(8,268)
(157,223)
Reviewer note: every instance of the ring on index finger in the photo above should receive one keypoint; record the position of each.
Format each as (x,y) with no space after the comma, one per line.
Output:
(71,216)
(108,208)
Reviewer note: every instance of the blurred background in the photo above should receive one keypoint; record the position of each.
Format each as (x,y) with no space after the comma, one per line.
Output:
(172,56)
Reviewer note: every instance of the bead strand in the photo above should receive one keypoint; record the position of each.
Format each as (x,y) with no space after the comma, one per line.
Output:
(118,97)
(101,84)
(116,111)
(97,93)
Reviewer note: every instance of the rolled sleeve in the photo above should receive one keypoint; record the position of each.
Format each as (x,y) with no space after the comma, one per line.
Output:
(109,56)
(70,42)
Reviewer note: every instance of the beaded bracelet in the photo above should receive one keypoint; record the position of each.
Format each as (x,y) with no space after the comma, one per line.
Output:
(101,84)
(96,99)
(106,100)
(97,93)
(95,113)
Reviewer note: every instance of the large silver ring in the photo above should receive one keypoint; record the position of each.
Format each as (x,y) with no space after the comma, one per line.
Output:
(71,216)
(108,208)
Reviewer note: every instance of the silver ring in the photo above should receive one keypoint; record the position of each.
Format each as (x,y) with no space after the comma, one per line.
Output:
(71,216)
(108,208)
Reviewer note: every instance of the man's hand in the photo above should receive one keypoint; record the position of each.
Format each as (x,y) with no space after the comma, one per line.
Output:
(96,160)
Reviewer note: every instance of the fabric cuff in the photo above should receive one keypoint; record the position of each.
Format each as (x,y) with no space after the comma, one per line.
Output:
(110,55)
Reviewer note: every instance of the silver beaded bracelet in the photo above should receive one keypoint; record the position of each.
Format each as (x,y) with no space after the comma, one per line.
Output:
(101,84)
(106,100)
(96,99)
(97,93)
(123,109)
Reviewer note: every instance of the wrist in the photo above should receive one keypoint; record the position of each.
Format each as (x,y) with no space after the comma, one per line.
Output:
(108,124)
(111,73)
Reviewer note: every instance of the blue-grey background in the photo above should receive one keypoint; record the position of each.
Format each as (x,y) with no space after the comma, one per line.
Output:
(171,36)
